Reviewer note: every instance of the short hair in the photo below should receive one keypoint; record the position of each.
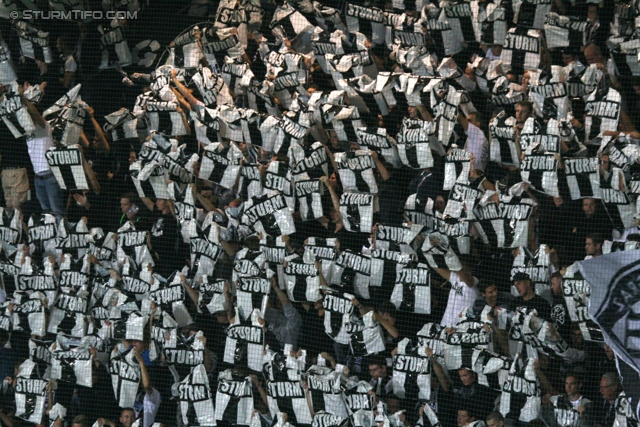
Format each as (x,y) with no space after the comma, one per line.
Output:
(526,104)
(494,416)
(80,419)
(484,285)
(468,410)
(596,238)
(127,409)
(387,307)
(574,375)
(377,359)
(131,196)
(613,379)
(537,423)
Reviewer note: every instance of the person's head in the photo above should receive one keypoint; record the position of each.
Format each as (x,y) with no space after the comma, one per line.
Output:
(440,203)
(467,376)
(526,78)
(589,206)
(593,55)
(377,367)
(163,206)
(80,421)
(577,339)
(388,312)
(568,58)
(558,201)
(496,49)
(593,244)
(127,417)
(610,386)
(64,45)
(413,112)
(465,417)
(609,352)
(475,119)
(127,201)
(523,285)
(556,283)
(592,13)
(524,110)
(489,291)
(133,156)
(573,386)
(495,419)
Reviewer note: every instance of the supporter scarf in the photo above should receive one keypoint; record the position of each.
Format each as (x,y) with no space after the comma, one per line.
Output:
(352,273)
(308,161)
(170,297)
(412,290)
(10,226)
(150,179)
(411,374)
(303,282)
(67,165)
(269,214)
(278,180)
(326,395)
(234,399)
(456,168)
(29,313)
(68,314)
(366,336)
(196,401)
(30,393)
(245,343)
(521,50)
(357,211)
(221,164)
(337,314)
(366,20)
(71,361)
(121,124)
(289,397)
(602,111)
(185,51)
(360,404)
(541,172)
(531,13)
(505,224)
(356,171)
(125,377)
(114,45)
(252,293)
(211,295)
(583,177)
(537,265)
(385,263)
(15,115)
(521,393)
(493,24)
(34,43)
(309,197)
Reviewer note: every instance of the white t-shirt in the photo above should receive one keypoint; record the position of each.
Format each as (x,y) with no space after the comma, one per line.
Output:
(461,296)
(151,405)
(37,145)
(478,145)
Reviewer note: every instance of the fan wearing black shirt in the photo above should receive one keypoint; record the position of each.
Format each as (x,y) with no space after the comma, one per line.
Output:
(528,298)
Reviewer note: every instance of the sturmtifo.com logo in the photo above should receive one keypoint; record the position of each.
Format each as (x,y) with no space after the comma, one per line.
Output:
(73,15)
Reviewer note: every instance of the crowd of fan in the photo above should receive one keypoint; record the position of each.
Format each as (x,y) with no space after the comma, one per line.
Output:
(314,213)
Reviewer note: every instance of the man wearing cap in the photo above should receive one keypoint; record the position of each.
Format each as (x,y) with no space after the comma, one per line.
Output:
(528,297)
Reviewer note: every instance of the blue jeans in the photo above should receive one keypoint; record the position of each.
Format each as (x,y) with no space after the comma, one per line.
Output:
(49,195)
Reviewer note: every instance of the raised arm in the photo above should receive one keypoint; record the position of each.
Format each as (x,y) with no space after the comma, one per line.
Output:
(186,93)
